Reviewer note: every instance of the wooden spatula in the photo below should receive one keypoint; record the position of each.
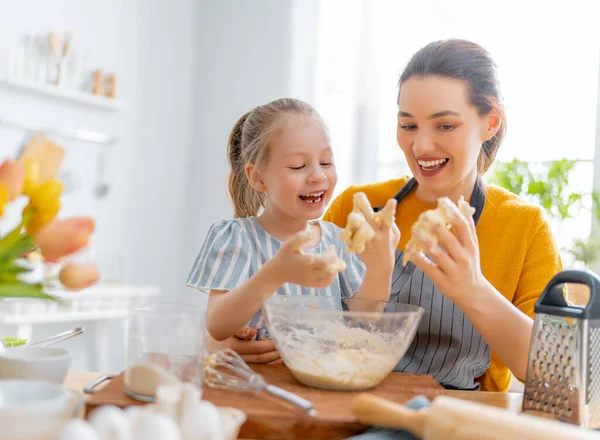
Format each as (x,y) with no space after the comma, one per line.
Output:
(455,419)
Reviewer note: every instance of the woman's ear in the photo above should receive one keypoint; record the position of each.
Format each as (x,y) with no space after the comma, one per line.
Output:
(492,125)
(254,177)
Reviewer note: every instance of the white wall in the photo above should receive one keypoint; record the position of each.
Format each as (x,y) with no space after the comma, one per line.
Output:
(245,59)
(187,69)
(152,45)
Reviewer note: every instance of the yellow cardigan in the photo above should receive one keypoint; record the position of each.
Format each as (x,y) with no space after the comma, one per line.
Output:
(518,253)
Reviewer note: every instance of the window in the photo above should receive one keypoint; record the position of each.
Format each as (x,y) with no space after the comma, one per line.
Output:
(547,54)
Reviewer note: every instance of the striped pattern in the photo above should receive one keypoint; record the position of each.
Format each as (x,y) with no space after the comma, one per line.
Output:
(234,250)
(446,345)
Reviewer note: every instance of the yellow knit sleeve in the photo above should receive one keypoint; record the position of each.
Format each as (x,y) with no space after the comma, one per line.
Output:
(337,213)
(542,261)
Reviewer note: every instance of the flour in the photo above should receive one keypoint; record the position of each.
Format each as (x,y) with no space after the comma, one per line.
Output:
(339,357)
(343,369)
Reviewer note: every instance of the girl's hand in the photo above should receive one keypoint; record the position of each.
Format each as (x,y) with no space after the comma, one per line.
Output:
(292,265)
(453,265)
(258,352)
(380,251)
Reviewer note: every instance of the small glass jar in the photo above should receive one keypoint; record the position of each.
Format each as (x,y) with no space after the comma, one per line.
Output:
(165,345)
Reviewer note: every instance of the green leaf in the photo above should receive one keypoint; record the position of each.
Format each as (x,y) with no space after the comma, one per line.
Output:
(24,244)
(23,290)
(13,267)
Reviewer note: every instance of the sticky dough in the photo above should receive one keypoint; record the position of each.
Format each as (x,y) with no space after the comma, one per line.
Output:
(442,215)
(335,264)
(358,231)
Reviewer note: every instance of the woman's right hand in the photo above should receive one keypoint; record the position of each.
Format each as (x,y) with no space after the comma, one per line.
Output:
(258,352)
(292,265)
(380,251)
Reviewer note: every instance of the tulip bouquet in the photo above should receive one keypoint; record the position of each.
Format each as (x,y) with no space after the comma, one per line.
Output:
(40,234)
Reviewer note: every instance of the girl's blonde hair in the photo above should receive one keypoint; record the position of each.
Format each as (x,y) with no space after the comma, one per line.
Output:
(248,144)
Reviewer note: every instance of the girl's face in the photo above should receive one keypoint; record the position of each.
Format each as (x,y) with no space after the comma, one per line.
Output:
(441,134)
(299,176)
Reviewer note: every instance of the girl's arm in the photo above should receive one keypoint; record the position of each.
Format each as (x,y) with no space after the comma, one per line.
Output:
(228,311)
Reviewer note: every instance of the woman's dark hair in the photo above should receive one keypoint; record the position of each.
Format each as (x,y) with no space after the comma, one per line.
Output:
(472,64)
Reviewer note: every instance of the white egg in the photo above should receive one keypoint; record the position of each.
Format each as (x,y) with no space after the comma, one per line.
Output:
(78,429)
(111,423)
(152,426)
(202,421)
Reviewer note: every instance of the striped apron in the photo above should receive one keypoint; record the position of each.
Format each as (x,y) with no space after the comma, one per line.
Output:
(446,345)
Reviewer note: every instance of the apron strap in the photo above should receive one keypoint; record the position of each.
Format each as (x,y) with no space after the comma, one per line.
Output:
(477,197)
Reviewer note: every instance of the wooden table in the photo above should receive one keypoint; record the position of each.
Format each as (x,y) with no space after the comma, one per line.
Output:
(77,380)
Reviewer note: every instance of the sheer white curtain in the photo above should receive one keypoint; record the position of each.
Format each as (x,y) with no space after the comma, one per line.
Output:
(547,53)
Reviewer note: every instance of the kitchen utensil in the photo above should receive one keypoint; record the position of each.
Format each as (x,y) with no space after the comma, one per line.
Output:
(563,373)
(450,418)
(47,341)
(101,188)
(241,377)
(340,344)
(165,344)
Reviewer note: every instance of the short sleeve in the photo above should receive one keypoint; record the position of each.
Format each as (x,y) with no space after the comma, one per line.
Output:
(542,262)
(223,262)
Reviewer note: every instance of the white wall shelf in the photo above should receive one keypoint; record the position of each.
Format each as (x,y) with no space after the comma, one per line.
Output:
(64,93)
(98,302)
(63,317)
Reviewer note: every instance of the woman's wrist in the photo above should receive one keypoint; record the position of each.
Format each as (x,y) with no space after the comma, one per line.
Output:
(479,298)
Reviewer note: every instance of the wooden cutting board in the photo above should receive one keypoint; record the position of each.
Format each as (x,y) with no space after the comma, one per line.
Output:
(271,418)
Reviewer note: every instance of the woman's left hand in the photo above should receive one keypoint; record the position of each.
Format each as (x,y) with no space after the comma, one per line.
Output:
(453,264)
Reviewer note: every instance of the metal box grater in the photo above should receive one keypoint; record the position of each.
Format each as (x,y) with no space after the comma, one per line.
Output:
(563,371)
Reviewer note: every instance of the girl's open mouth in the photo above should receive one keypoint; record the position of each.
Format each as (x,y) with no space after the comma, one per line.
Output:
(312,198)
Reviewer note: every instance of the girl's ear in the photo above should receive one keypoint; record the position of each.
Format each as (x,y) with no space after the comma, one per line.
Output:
(492,125)
(254,177)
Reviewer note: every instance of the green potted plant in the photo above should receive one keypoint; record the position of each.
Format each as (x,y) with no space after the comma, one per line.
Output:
(547,184)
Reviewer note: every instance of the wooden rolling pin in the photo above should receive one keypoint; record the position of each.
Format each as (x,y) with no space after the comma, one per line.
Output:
(449,418)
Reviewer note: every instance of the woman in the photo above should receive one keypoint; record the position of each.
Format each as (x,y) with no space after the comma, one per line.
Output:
(479,285)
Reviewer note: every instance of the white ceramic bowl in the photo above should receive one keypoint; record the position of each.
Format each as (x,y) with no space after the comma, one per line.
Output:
(33,409)
(41,363)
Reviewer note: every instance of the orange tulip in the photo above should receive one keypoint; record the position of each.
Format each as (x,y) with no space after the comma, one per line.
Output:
(64,237)
(76,276)
(12,175)
(32,175)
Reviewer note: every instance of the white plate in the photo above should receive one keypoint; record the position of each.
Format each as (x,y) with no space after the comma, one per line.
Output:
(32,409)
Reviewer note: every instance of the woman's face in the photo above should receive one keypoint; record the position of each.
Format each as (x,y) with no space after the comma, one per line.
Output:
(441,134)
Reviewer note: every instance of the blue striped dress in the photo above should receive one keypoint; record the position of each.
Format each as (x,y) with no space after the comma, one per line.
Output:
(234,250)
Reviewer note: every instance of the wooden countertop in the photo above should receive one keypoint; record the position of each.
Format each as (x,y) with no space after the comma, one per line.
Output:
(77,380)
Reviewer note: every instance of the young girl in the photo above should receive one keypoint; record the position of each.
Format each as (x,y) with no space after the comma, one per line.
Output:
(281,162)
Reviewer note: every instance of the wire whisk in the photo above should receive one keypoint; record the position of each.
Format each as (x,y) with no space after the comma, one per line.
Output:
(225,369)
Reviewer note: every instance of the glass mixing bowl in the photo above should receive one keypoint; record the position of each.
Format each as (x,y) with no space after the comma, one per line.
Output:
(340,344)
